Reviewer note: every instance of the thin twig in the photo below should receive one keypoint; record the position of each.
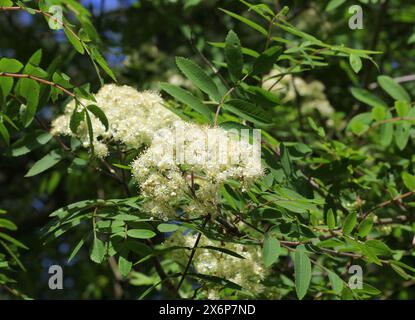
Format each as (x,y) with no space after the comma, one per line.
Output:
(387,203)
(37,79)
(192,254)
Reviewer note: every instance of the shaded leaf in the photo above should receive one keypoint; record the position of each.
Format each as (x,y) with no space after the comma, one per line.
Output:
(124,265)
(48,161)
(198,77)
(97,112)
(266,60)
(97,253)
(224,250)
(74,40)
(392,88)
(76,249)
(233,54)
(29,143)
(30,90)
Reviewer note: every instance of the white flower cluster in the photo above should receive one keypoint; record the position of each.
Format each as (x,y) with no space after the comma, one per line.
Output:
(133,118)
(190,163)
(312,93)
(248,273)
(184,165)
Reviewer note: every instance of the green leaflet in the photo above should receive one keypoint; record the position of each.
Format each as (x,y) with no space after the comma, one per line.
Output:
(140,233)
(365,227)
(336,282)
(386,131)
(90,132)
(331,219)
(76,118)
(29,143)
(97,253)
(7,224)
(286,162)
(349,223)
(408,180)
(333,4)
(360,123)
(47,162)
(167,227)
(266,60)
(198,77)
(12,240)
(76,249)
(355,62)
(6,3)
(392,88)
(248,22)
(402,108)
(271,250)
(102,63)
(97,112)
(233,55)
(379,113)
(188,99)
(302,271)
(367,97)
(74,40)
(124,265)
(248,111)
(10,65)
(216,280)
(4,133)
(402,135)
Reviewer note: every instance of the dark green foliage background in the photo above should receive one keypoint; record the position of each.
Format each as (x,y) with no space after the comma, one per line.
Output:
(150,34)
